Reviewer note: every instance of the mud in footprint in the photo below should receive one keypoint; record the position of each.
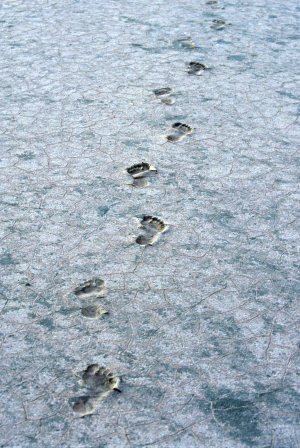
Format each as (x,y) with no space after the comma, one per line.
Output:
(152,227)
(91,288)
(100,381)
(165,95)
(140,172)
(180,131)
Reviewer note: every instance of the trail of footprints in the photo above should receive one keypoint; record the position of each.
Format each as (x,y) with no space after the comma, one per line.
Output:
(100,381)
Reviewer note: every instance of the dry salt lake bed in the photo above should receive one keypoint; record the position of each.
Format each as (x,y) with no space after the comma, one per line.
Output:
(191,257)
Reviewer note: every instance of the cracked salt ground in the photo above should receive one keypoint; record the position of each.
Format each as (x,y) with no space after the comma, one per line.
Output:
(202,326)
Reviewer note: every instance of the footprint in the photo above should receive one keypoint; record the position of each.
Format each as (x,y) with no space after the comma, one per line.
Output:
(181,130)
(163,91)
(164,94)
(93,311)
(139,172)
(184,42)
(195,68)
(152,222)
(152,227)
(91,288)
(218,24)
(140,169)
(100,381)
(85,406)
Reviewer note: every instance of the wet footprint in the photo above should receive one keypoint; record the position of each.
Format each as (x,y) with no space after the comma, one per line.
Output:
(91,288)
(139,172)
(218,24)
(165,95)
(195,68)
(181,130)
(100,381)
(184,42)
(152,227)
(93,311)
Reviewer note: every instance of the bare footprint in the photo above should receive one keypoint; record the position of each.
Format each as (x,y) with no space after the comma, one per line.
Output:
(163,91)
(139,172)
(91,288)
(152,227)
(181,130)
(218,24)
(195,68)
(100,381)
(165,95)
(140,169)
(152,222)
(93,311)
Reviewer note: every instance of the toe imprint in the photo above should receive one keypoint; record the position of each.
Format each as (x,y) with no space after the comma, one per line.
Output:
(140,169)
(90,288)
(181,130)
(152,222)
(100,379)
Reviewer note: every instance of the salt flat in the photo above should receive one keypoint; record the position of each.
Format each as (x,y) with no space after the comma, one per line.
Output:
(201,326)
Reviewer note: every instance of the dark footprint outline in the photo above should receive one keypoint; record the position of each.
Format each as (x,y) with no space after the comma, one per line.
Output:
(196,68)
(91,291)
(153,227)
(90,288)
(139,172)
(100,381)
(165,95)
(218,24)
(181,130)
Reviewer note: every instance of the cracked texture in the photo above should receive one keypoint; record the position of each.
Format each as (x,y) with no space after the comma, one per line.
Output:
(202,326)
